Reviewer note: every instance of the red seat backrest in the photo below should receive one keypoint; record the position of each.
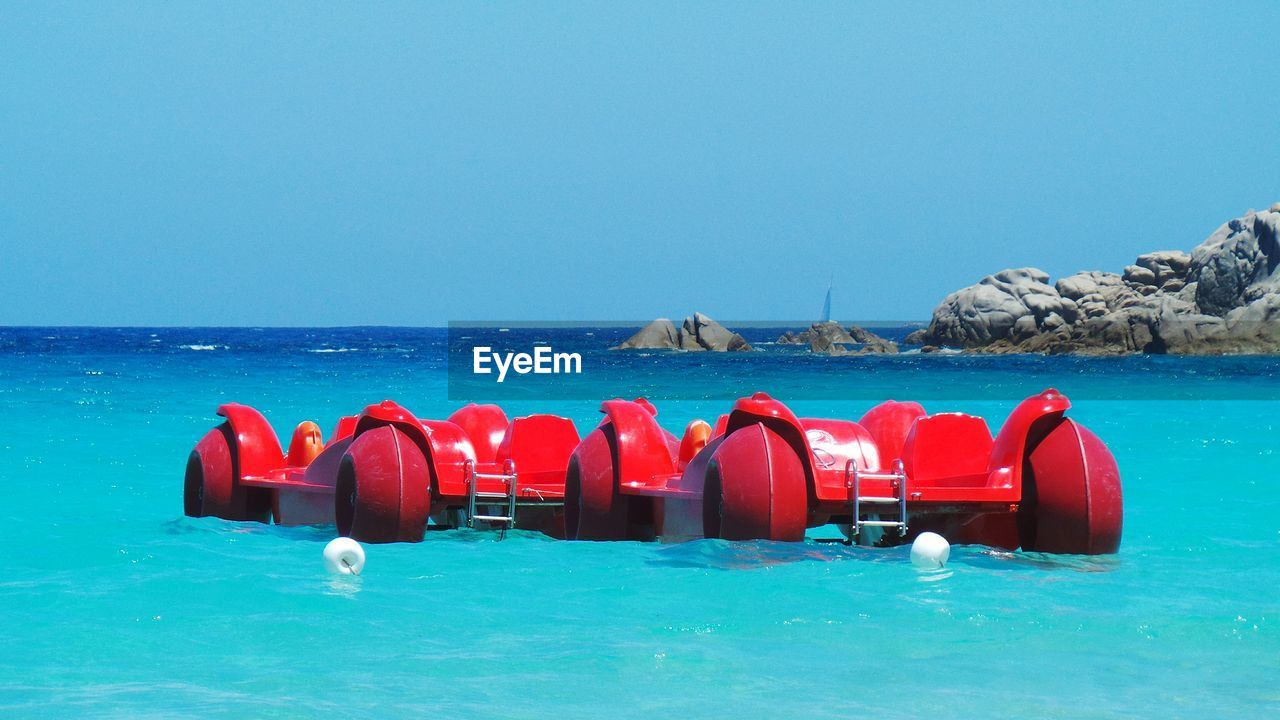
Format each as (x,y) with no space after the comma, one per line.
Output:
(485,426)
(889,423)
(346,428)
(539,443)
(946,445)
(718,428)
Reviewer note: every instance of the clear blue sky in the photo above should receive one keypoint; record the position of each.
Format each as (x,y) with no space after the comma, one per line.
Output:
(297,164)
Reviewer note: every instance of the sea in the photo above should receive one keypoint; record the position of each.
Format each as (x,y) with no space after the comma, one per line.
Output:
(116,605)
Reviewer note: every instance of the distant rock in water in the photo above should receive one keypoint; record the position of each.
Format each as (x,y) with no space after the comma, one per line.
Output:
(697,332)
(829,338)
(710,335)
(1223,297)
(819,336)
(660,333)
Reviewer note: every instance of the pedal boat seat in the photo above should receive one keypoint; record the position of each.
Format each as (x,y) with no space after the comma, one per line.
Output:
(948,450)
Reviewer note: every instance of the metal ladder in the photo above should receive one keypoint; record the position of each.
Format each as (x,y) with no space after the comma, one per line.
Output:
(853,480)
(508,477)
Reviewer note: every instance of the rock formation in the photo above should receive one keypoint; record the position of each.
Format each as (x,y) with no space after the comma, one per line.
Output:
(660,333)
(697,332)
(828,337)
(1223,297)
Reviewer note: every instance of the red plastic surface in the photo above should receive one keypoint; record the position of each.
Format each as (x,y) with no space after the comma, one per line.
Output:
(1078,504)
(443,443)
(257,449)
(383,487)
(760,408)
(345,428)
(948,449)
(832,444)
(539,444)
(717,430)
(210,484)
(643,447)
(594,507)
(214,480)
(1027,423)
(485,425)
(387,411)
(648,406)
(755,487)
(448,449)
(889,423)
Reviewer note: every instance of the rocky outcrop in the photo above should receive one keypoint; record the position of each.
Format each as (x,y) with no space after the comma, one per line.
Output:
(1164,270)
(829,338)
(1237,265)
(1223,297)
(697,332)
(700,332)
(819,336)
(1011,300)
(875,347)
(660,333)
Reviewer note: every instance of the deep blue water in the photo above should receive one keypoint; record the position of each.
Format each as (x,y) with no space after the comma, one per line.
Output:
(118,606)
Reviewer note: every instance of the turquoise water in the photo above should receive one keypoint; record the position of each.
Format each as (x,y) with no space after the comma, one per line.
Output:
(116,605)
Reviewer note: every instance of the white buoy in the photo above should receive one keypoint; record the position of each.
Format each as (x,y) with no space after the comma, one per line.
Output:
(930,551)
(344,556)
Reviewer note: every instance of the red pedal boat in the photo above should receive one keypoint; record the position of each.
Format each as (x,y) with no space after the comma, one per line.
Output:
(1044,483)
(384,473)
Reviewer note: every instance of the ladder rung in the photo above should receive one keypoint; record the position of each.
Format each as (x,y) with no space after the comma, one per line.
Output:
(530,502)
(880,476)
(880,499)
(490,476)
(498,518)
(882,523)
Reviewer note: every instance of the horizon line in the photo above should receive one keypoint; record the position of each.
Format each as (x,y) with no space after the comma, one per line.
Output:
(468,323)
